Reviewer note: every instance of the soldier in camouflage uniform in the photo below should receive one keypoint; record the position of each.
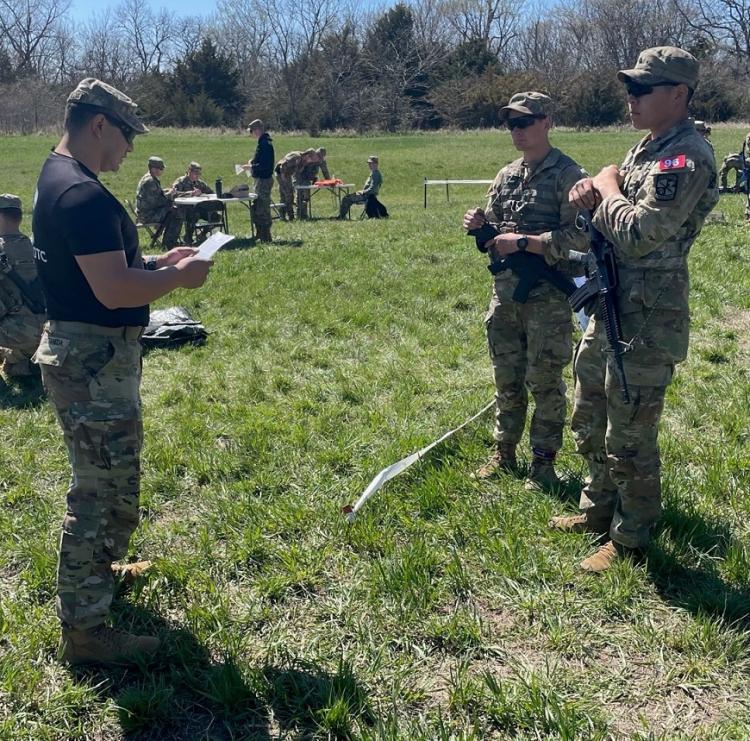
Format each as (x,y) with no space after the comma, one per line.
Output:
(305,175)
(652,210)
(734,162)
(21,311)
(285,171)
(372,187)
(190,184)
(98,287)
(155,205)
(705,131)
(530,343)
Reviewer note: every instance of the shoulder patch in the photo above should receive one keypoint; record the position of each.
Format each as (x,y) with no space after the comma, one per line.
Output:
(665,187)
(676,162)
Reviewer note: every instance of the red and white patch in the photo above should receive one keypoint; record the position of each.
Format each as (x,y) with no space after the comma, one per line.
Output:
(678,162)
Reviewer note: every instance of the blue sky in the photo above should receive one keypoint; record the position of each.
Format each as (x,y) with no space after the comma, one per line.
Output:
(80,10)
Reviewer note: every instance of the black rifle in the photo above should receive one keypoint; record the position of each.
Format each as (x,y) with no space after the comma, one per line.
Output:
(601,271)
(529,268)
(31,292)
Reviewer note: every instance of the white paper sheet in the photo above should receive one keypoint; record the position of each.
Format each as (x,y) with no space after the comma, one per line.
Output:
(213,244)
(241,168)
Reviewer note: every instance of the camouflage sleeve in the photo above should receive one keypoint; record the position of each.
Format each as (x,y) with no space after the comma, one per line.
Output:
(494,208)
(558,243)
(669,199)
(324,170)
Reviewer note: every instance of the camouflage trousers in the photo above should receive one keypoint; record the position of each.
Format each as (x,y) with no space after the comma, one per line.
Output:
(92,376)
(530,344)
(731,162)
(286,192)
(618,440)
(348,201)
(262,204)
(171,218)
(19,336)
(303,199)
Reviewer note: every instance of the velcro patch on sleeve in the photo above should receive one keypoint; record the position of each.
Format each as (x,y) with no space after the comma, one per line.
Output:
(666,187)
(675,162)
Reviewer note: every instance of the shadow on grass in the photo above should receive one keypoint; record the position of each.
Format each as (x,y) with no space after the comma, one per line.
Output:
(245,243)
(21,393)
(190,693)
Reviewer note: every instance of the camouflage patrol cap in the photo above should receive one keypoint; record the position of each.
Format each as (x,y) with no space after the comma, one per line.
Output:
(195,167)
(530,103)
(8,200)
(109,100)
(156,162)
(255,124)
(372,158)
(663,64)
(321,151)
(701,128)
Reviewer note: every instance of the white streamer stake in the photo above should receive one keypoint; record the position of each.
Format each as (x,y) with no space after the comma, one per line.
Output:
(396,468)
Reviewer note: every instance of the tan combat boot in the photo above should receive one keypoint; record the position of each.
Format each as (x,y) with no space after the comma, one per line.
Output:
(542,475)
(127,573)
(105,646)
(606,556)
(503,459)
(578,524)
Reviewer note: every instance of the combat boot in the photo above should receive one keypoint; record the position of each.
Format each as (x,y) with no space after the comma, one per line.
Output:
(606,557)
(578,524)
(542,474)
(264,233)
(127,573)
(503,459)
(105,646)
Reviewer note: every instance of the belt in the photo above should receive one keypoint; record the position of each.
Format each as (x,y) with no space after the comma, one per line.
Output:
(127,333)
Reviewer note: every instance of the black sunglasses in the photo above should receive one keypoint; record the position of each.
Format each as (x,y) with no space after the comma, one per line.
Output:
(523,122)
(637,90)
(127,131)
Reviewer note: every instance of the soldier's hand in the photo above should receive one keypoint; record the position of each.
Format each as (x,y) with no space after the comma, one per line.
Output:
(584,195)
(193,271)
(608,181)
(174,256)
(196,192)
(474,218)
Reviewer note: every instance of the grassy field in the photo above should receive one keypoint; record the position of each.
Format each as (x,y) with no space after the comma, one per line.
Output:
(447,610)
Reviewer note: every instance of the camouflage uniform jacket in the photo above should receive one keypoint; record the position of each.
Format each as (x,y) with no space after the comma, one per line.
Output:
(18,249)
(310,172)
(289,164)
(185,185)
(668,190)
(373,183)
(536,202)
(149,196)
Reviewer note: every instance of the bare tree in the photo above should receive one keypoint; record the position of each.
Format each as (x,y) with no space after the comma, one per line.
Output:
(146,34)
(725,22)
(102,50)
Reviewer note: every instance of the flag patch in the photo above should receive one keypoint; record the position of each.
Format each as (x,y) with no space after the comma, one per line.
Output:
(677,162)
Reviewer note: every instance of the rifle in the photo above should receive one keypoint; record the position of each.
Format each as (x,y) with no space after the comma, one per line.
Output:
(31,292)
(601,271)
(529,268)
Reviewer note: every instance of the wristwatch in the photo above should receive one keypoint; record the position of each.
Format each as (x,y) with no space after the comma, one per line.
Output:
(150,263)
(522,243)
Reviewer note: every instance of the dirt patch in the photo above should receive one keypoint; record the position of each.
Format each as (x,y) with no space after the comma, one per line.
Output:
(738,321)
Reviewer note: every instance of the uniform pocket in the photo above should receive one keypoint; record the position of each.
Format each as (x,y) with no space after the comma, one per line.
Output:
(52,350)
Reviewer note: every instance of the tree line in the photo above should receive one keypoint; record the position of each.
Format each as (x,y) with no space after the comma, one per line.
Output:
(336,64)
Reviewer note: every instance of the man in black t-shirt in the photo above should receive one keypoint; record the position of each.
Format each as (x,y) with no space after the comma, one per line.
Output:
(98,287)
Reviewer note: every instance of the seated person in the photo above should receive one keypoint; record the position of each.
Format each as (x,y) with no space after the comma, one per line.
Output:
(22,314)
(155,205)
(190,184)
(734,162)
(372,187)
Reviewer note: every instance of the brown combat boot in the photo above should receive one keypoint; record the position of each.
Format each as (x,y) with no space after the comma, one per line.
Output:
(127,573)
(542,475)
(607,556)
(105,646)
(503,459)
(578,524)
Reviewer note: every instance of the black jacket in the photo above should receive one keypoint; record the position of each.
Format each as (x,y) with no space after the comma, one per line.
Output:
(261,165)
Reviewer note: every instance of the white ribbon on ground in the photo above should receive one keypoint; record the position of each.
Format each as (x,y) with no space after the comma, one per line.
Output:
(396,468)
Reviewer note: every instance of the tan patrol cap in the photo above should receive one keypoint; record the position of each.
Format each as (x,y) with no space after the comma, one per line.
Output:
(372,158)
(663,64)
(156,162)
(8,200)
(195,167)
(93,92)
(255,124)
(530,103)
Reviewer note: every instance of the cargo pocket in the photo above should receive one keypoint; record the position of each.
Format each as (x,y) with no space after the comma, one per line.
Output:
(52,350)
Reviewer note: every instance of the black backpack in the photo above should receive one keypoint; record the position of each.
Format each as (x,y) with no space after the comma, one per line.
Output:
(374,209)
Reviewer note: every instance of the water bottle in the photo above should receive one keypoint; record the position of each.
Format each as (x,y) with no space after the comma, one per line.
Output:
(217,187)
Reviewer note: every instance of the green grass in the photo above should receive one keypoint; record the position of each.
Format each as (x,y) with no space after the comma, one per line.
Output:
(447,610)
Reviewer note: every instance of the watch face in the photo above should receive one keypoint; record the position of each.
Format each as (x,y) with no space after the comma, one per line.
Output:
(522,243)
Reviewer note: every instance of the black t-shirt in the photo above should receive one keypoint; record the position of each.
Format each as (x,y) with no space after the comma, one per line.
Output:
(74,214)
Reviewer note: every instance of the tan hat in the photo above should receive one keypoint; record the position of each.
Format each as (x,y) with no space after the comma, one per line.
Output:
(255,124)
(663,64)
(156,162)
(530,103)
(372,158)
(195,167)
(96,93)
(8,200)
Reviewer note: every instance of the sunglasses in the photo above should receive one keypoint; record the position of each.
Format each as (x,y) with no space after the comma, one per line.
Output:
(127,132)
(637,90)
(523,122)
